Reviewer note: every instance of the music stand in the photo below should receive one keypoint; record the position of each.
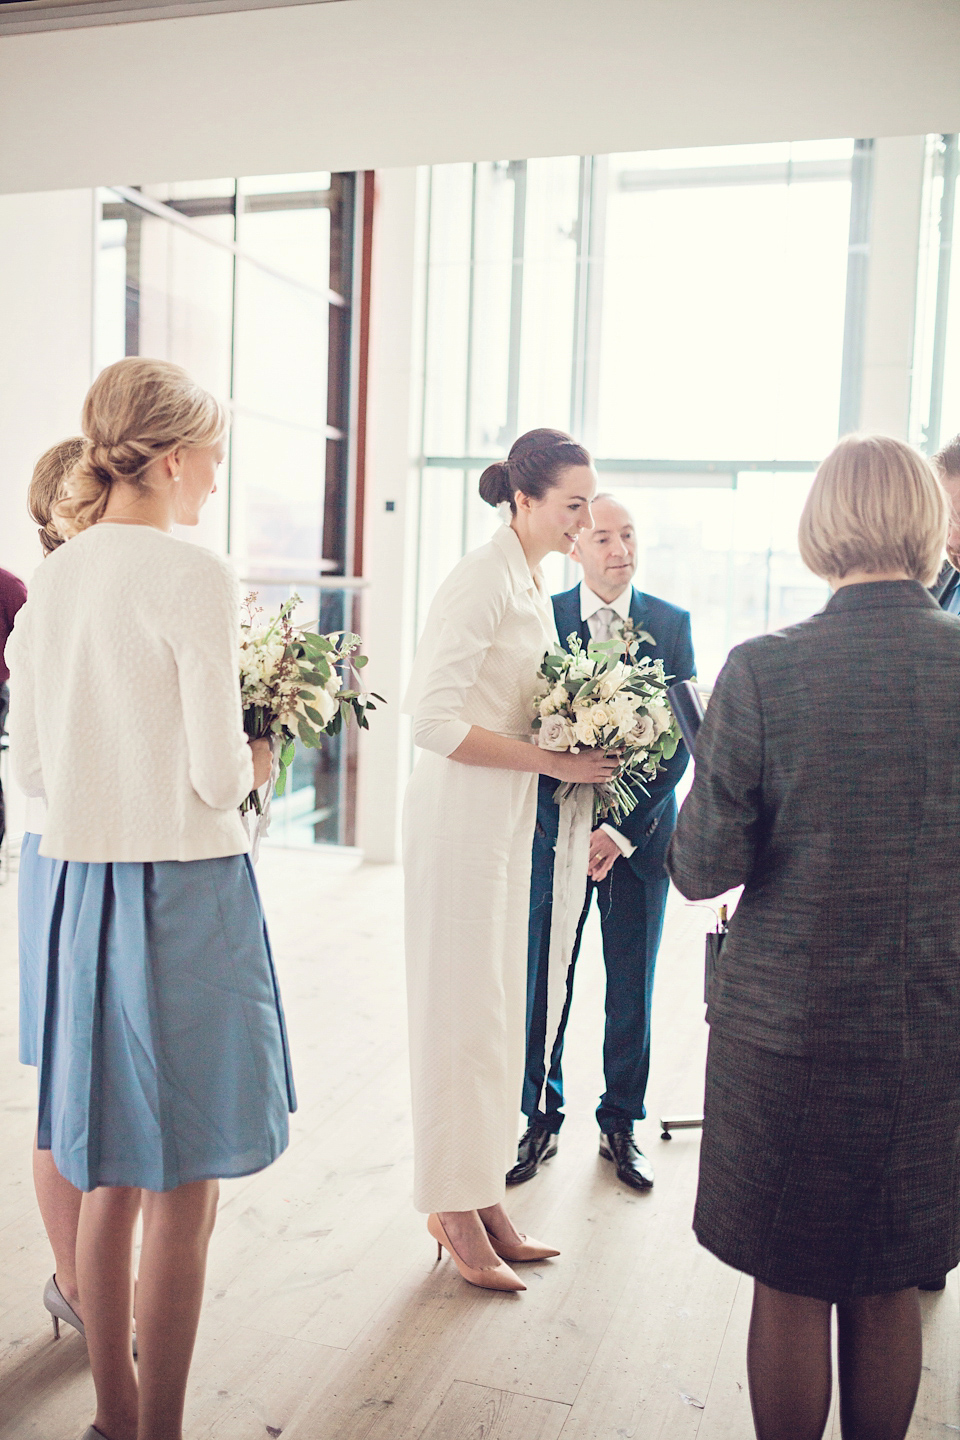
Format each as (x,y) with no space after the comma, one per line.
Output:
(687,707)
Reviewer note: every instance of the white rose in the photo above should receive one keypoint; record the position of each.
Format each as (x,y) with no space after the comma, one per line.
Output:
(555,733)
(584,731)
(644,731)
(268,659)
(335,684)
(661,716)
(581,668)
(612,681)
(599,715)
(623,715)
(554,700)
(320,700)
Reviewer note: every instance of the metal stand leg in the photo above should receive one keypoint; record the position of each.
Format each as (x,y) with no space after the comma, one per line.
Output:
(680,1122)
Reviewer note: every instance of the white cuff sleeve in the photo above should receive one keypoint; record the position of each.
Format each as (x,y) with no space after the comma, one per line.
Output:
(442,737)
(625,846)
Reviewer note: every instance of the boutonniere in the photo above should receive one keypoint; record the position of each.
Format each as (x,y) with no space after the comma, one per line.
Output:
(632,638)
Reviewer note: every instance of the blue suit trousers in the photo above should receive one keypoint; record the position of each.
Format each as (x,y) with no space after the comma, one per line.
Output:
(631,919)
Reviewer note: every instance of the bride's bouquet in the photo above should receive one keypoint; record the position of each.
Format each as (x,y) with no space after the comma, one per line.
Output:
(292,685)
(604,698)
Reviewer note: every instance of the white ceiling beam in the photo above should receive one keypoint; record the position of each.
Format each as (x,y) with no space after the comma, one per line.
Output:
(380,83)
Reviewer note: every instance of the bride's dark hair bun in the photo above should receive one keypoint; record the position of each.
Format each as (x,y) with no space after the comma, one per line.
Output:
(534,466)
(495,483)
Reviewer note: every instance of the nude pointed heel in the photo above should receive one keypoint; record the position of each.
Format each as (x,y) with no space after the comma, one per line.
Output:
(528,1249)
(495,1277)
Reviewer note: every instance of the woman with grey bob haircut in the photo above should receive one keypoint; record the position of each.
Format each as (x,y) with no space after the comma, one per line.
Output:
(827,784)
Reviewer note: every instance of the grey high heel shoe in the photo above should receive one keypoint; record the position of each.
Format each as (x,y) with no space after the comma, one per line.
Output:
(60,1309)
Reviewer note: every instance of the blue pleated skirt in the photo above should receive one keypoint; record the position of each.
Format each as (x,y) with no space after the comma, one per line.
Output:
(150,1006)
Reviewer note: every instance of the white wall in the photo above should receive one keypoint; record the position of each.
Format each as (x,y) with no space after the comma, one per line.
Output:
(46,282)
(46,297)
(379,83)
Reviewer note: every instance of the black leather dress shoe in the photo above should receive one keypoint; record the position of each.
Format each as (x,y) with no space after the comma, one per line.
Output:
(536,1145)
(633,1167)
(935,1285)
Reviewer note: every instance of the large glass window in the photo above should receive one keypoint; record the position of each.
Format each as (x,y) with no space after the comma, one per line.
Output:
(724,280)
(682,312)
(248,284)
(727,552)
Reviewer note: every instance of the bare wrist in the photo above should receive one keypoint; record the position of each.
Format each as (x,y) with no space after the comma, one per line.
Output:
(548,764)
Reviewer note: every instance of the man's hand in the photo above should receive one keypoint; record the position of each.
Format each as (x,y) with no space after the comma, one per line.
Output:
(603,852)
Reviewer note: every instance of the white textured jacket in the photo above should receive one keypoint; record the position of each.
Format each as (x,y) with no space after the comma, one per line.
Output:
(125,699)
(488,628)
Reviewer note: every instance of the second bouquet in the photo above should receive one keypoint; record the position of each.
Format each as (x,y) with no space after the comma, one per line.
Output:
(292,684)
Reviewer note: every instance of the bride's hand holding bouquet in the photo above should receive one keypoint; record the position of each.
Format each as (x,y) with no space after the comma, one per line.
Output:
(582,767)
(607,711)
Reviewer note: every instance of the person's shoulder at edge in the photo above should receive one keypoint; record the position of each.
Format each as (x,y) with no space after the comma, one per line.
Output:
(11,584)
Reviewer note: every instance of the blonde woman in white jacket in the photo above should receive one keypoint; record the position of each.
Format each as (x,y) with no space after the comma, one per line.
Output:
(163,1064)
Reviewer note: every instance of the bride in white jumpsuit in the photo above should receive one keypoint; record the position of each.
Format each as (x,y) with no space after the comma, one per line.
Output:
(469,816)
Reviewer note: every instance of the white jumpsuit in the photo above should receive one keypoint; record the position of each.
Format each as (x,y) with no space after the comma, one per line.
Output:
(468,832)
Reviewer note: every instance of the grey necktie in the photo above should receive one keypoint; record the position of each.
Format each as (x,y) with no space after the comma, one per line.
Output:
(604,620)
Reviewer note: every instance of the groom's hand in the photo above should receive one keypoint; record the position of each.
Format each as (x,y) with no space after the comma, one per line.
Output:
(603,853)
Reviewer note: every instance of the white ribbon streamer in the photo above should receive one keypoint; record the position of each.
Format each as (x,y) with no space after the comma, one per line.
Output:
(569,892)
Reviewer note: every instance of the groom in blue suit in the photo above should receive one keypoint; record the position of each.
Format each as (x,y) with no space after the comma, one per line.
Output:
(626,872)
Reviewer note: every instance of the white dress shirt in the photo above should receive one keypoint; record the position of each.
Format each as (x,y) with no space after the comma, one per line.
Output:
(590,603)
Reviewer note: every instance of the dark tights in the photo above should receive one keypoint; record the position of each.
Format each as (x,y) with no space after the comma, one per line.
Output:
(788,1362)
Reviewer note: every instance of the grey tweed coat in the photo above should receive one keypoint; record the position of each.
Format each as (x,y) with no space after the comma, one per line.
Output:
(828,784)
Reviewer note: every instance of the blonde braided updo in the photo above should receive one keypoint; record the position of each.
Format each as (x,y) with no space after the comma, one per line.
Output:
(136,411)
(46,485)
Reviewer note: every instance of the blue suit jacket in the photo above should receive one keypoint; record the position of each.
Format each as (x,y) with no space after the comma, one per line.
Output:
(651,824)
(945,586)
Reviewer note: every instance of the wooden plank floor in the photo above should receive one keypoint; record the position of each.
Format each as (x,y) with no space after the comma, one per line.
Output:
(327,1316)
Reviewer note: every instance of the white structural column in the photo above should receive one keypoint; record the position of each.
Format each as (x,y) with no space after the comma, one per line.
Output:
(390,530)
(892,285)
